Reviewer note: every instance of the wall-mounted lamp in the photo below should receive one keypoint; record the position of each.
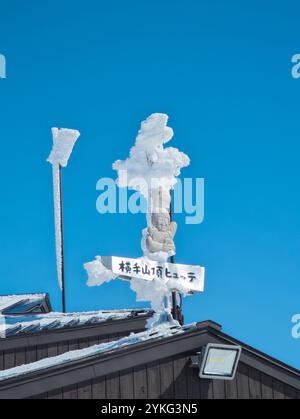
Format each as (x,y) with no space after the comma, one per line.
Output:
(217,361)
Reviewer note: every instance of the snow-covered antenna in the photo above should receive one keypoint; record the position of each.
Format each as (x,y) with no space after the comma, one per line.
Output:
(63,142)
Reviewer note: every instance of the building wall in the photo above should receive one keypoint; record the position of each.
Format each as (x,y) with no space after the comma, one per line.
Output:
(22,350)
(173,378)
(21,356)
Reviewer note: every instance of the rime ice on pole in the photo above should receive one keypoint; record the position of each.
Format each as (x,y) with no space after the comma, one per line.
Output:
(64,140)
(150,169)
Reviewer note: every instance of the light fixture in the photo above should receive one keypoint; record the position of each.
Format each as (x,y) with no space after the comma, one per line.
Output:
(217,361)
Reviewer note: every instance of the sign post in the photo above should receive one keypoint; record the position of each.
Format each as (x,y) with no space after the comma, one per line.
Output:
(152,170)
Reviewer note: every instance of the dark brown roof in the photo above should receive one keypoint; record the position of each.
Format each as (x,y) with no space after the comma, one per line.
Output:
(116,359)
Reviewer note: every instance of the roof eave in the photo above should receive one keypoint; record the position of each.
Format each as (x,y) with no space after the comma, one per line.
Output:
(102,364)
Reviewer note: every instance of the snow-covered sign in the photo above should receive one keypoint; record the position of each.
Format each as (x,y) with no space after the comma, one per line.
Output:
(188,276)
(152,168)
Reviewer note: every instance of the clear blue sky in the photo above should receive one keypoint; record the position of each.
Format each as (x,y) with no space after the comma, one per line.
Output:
(222,71)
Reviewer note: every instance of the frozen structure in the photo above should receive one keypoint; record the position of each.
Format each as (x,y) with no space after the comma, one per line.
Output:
(64,140)
(151,170)
(160,235)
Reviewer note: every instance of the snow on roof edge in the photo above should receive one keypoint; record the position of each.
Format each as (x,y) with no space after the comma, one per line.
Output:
(13,299)
(162,331)
(11,325)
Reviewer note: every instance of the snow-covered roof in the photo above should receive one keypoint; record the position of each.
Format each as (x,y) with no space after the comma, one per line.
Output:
(31,313)
(20,303)
(13,325)
(162,331)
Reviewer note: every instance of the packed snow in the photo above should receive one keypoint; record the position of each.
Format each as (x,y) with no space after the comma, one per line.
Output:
(7,301)
(162,331)
(64,140)
(150,165)
(57,222)
(98,274)
(29,323)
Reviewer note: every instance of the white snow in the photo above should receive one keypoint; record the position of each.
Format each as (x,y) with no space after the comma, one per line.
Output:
(157,293)
(64,140)
(98,274)
(152,169)
(11,325)
(57,221)
(10,300)
(162,331)
(149,161)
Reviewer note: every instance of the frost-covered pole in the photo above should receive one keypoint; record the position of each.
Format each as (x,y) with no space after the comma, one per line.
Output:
(61,228)
(152,169)
(63,143)
(172,260)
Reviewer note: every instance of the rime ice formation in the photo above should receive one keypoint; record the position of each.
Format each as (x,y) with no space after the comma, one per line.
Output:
(150,169)
(14,325)
(63,142)
(150,165)
(98,274)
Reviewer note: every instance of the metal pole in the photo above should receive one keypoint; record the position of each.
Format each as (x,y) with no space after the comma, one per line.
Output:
(62,244)
(172,260)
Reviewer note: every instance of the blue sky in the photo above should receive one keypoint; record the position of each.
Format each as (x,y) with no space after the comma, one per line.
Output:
(222,71)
